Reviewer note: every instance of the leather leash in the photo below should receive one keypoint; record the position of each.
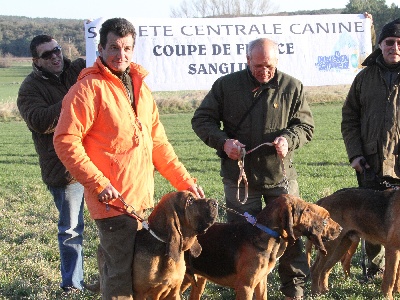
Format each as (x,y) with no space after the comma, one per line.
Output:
(130,211)
(243,177)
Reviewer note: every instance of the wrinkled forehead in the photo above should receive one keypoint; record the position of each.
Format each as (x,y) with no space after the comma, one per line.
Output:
(318,210)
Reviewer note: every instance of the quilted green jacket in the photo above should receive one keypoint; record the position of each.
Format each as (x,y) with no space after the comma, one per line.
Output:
(371,116)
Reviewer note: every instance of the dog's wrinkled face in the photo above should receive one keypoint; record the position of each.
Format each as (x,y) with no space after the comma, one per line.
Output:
(300,218)
(316,224)
(179,217)
(200,214)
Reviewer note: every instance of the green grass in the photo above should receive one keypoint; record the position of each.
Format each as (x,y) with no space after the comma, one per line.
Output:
(11,79)
(28,233)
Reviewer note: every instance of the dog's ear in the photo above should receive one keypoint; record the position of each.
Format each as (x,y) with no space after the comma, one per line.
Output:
(312,220)
(286,215)
(195,249)
(165,220)
(320,245)
(175,238)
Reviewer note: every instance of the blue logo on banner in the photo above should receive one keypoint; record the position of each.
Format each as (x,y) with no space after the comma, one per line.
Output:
(337,61)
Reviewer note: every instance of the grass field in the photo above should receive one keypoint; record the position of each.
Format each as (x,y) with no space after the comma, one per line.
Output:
(29,263)
(28,247)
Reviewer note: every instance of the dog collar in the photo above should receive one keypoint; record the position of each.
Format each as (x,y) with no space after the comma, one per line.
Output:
(146,226)
(253,221)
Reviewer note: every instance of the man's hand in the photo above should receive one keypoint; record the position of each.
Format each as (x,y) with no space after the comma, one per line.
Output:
(197,190)
(233,148)
(369,16)
(281,146)
(108,194)
(358,163)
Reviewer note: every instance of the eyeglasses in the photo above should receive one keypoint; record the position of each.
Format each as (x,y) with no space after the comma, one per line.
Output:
(49,54)
(390,43)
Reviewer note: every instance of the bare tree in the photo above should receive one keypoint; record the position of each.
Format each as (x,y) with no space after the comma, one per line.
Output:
(222,8)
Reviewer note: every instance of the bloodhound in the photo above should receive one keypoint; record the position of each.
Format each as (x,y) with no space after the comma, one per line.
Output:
(159,266)
(363,213)
(240,255)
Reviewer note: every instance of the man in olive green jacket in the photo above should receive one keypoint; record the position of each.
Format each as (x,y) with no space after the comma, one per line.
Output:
(370,124)
(255,106)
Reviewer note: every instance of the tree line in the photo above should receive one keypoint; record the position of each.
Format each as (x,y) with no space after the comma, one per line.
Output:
(17,32)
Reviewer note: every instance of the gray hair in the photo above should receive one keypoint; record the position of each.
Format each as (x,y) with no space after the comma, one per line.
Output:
(260,42)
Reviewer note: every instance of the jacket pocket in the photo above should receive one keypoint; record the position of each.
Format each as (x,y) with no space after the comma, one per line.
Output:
(371,148)
(372,156)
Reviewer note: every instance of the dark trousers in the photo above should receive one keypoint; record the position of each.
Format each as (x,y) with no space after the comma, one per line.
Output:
(293,268)
(115,256)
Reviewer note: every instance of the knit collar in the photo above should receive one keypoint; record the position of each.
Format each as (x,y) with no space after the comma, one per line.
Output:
(391,68)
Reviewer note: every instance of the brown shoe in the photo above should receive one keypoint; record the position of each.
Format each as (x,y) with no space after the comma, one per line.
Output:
(93,287)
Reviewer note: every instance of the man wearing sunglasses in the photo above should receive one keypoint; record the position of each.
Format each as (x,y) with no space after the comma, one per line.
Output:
(370,125)
(39,102)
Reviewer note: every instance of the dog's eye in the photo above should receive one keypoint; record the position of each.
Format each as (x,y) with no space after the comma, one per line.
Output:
(324,222)
(189,201)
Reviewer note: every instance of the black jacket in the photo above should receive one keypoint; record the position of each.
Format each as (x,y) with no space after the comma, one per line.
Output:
(39,103)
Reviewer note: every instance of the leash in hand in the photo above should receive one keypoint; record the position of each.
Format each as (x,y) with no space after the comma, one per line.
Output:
(130,211)
(242,174)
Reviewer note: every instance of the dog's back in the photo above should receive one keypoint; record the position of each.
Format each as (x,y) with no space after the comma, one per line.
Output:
(220,245)
(359,210)
(363,213)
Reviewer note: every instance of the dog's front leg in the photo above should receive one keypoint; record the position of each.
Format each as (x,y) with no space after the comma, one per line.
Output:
(244,292)
(198,288)
(396,288)
(261,289)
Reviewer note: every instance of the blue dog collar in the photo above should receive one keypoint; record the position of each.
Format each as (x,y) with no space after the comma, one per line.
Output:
(253,221)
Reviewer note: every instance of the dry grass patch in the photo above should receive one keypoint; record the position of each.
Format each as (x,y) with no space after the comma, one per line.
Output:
(188,101)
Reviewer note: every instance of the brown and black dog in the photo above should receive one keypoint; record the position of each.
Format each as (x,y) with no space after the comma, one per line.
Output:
(240,256)
(159,266)
(363,213)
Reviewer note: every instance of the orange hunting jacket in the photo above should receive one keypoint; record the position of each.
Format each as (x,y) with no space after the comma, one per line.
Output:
(100,139)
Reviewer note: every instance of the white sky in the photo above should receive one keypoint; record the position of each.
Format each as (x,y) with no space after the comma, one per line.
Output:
(87,9)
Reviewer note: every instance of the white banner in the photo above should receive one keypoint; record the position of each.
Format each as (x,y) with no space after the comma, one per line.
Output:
(190,54)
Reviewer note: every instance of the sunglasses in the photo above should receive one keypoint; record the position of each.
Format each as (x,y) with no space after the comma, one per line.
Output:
(390,43)
(49,54)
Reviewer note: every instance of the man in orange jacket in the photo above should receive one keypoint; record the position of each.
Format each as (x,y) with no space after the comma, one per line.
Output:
(110,138)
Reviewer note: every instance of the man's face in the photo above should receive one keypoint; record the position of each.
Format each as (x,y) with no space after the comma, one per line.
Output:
(262,62)
(50,57)
(118,52)
(391,50)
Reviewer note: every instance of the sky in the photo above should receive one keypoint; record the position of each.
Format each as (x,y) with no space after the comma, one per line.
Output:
(86,9)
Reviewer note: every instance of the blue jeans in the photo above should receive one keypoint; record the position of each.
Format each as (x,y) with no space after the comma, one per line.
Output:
(69,202)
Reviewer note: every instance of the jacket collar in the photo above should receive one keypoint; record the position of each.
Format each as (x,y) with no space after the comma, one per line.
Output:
(260,87)
(381,63)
